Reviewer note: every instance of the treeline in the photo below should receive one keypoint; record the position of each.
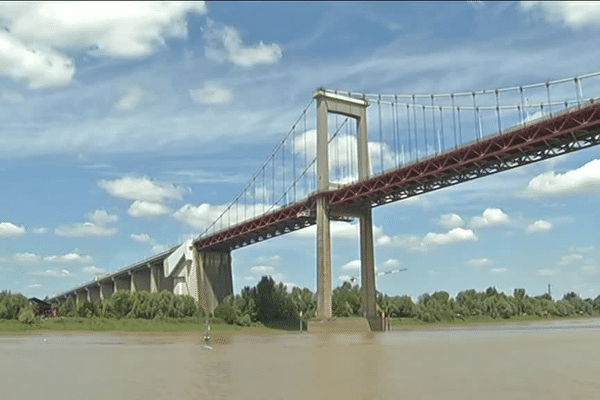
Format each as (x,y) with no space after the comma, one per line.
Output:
(123,304)
(268,302)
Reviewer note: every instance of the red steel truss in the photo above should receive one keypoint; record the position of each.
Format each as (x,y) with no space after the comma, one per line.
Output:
(572,130)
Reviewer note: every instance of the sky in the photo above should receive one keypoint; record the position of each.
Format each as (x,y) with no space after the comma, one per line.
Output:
(125,124)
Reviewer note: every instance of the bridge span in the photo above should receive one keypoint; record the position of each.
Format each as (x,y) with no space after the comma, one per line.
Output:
(202,267)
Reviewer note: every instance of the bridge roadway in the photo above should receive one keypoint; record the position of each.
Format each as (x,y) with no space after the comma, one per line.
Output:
(570,130)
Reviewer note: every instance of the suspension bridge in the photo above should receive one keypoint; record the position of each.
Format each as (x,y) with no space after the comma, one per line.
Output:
(331,166)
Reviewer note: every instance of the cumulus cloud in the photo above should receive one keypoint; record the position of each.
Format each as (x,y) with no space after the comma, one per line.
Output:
(84,229)
(480,262)
(140,208)
(130,99)
(539,226)
(8,229)
(584,178)
(450,221)
(353,265)
(547,272)
(225,44)
(142,189)
(97,226)
(142,238)
(39,231)
(574,14)
(269,260)
(26,258)
(71,258)
(91,270)
(56,273)
(262,270)
(37,34)
(102,217)
(490,217)
(391,263)
(199,217)
(159,248)
(430,240)
(212,93)
(568,259)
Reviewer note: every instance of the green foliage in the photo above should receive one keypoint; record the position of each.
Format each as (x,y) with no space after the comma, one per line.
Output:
(11,305)
(226,312)
(27,316)
(346,300)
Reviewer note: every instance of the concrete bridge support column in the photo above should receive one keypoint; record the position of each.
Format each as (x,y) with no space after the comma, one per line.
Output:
(367,269)
(156,273)
(323,218)
(81,295)
(140,280)
(107,289)
(328,102)
(93,293)
(211,271)
(122,282)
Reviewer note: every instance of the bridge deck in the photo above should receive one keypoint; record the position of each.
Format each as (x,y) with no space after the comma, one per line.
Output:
(570,130)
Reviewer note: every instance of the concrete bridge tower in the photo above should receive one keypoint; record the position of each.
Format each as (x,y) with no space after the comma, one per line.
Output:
(328,102)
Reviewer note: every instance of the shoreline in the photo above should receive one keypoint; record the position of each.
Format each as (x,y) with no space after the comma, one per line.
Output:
(226,332)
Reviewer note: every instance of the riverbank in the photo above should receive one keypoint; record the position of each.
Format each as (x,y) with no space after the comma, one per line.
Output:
(413,323)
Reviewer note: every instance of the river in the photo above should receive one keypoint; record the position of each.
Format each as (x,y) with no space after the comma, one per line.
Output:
(542,360)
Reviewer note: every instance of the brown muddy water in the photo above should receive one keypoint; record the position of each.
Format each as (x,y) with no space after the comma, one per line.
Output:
(556,360)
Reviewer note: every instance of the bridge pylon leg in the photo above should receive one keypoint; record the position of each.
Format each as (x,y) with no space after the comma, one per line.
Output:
(367,268)
(323,260)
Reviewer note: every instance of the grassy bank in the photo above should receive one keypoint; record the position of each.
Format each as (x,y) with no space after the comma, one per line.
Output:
(97,324)
(411,323)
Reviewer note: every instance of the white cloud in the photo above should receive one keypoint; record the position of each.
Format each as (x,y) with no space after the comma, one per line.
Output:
(212,93)
(453,236)
(224,43)
(84,229)
(262,270)
(142,238)
(39,231)
(102,217)
(539,226)
(91,270)
(199,217)
(547,272)
(450,221)
(37,64)
(52,273)
(8,229)
(26,258)
(391,263)
(569,259)
(129,100)
(71,258)
(353,265)
(581,249)
(159,248)
(584,178)
(346,278)
(490,217)
(269,260)
(34,286)
(37,31)
(430,240)
(480,262)
(142,189)
(574,14)
(499,270)
(140,208)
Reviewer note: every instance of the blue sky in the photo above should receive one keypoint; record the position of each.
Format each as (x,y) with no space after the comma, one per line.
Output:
(126,125)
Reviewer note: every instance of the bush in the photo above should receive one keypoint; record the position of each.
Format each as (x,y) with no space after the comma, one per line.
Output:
(27,316)
(225,312)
